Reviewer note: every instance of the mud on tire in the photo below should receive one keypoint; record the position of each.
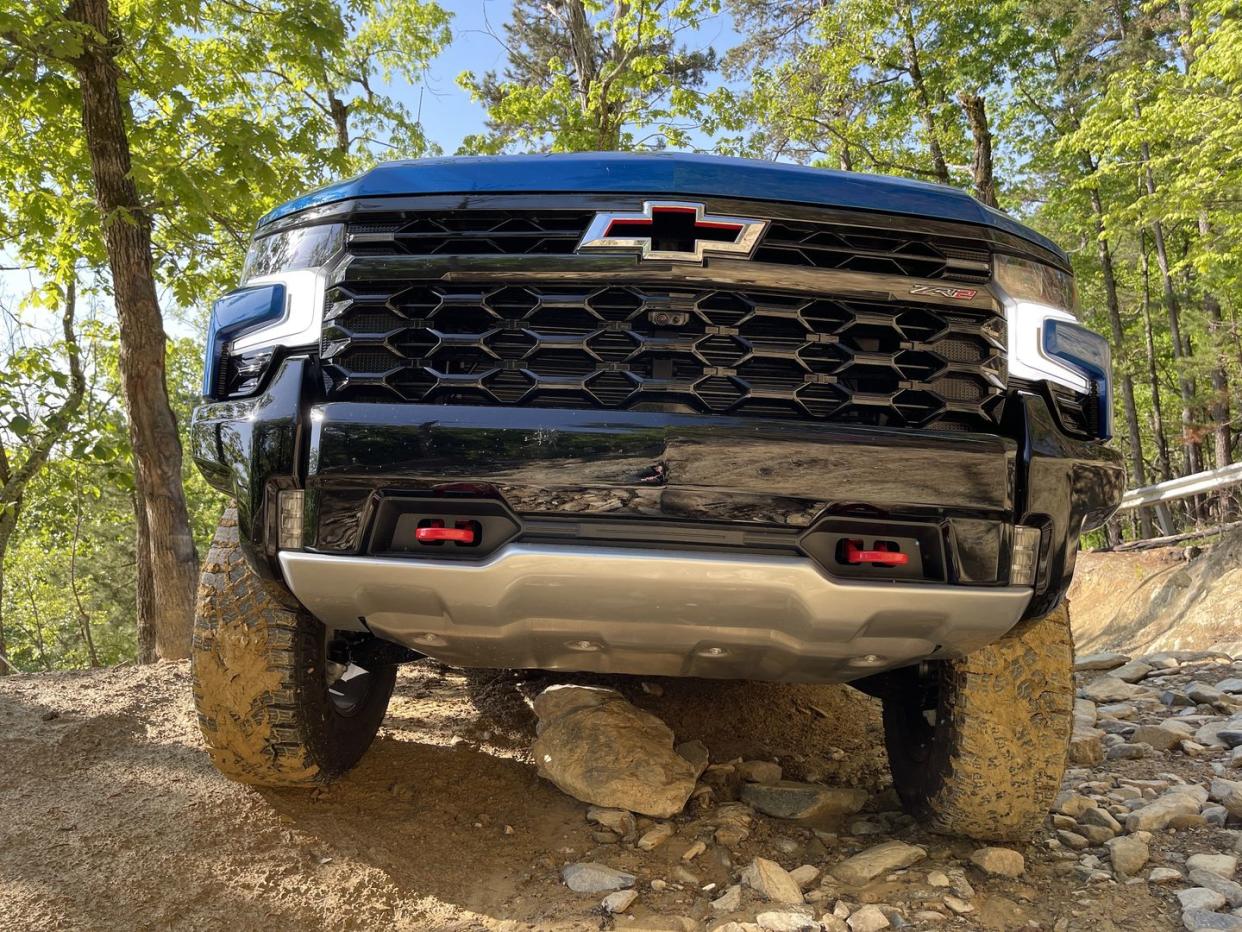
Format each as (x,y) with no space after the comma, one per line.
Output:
(260,683)
(991,764)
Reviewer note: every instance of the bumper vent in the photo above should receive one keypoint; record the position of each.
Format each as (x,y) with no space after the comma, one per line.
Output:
(746,352)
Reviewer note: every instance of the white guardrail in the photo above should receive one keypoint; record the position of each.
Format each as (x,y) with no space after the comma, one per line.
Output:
(1196,484)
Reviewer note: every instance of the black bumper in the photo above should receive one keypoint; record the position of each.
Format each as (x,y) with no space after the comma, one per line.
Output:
(659,471)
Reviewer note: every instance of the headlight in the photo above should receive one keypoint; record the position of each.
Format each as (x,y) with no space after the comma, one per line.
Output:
(280,304)
(1046,342)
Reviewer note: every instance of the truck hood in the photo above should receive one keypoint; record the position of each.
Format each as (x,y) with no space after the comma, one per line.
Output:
(664,174)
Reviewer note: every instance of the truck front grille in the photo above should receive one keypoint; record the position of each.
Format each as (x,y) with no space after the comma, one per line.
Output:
(745,351)
(805,243)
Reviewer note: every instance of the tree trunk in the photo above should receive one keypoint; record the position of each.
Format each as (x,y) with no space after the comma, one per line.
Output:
(145,584)
(340,120)
(975,108)
(1163,514)
(1193,451)
(1137,468)
(169,545)
(8,520)
(926,112)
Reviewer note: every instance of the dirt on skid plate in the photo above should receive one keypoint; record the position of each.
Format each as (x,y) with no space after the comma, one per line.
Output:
(111,817)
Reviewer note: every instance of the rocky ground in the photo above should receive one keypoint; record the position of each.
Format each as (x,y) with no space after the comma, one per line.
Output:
(111,817)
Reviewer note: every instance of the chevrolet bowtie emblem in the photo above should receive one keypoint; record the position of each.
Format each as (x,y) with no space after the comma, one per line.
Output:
(673,231)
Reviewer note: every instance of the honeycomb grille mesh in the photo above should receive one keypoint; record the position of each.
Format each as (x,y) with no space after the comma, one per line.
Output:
(809,244)
(737,351)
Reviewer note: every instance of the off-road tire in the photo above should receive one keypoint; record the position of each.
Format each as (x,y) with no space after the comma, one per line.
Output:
(992,763)
(260,685)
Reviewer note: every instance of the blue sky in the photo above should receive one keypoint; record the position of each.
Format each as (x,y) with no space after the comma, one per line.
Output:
(448,113)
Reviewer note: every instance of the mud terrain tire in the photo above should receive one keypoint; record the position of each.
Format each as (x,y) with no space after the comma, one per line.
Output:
(991,764)
(260,685)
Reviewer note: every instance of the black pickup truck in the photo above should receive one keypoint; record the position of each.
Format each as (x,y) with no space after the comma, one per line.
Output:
(653,414)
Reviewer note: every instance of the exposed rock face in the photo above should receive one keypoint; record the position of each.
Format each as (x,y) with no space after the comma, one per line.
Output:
(600,749)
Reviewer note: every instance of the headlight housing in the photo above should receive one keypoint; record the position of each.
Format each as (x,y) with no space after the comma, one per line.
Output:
(278,306)
(1047,344)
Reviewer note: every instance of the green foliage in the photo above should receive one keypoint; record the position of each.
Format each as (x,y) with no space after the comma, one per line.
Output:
(592,75)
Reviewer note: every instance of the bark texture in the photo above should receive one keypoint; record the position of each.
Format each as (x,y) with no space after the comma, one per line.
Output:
(169,545)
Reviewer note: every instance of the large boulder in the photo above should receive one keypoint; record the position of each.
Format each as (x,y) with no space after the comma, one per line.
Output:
(600,749)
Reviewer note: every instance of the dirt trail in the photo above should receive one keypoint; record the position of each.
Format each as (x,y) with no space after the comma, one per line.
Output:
(111,816)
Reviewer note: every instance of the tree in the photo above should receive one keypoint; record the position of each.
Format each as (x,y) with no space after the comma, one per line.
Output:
(593,75)
(183,134)
(38,403)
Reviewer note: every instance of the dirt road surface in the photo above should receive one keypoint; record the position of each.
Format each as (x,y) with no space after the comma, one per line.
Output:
(112,818)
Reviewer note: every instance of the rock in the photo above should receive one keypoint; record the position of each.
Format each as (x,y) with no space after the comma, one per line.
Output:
(655,836)
(1073,804)
(1229,889)
(880,859)
(1157,814)
(1104,661)
(1232,737)
(1109,689)
(1202,920)
(1209,733)
(1102,818)
(1200,898)
(602,750)
(937,879)
(1129,855)
(869,918)
(1229,794)
(759,771)
(788,799)
(730,901)
(1133,671)
(1202,692)
(1128,751)
(958,905)
(1072,840)
(771,881)
(805,875)
(694,851)
(1096,835)
(619,902)
(833,923)
(1086,748)
(695,753)
(1157,736)
(1164,875)
(999,862)
(1222,865)
(590,877)
(620,821)
(786,922)
(1232,685)
(559,700)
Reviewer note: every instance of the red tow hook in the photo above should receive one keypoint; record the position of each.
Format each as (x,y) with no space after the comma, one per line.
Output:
(855,554)
(436,531)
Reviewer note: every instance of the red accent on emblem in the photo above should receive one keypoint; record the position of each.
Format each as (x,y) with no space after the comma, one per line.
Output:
(855,554)
(645,227)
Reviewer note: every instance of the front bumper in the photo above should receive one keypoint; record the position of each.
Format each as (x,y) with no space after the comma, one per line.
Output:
(648,609)
(657,613)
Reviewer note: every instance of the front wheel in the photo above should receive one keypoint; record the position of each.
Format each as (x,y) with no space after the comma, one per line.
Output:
(272,707)
(978,746)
